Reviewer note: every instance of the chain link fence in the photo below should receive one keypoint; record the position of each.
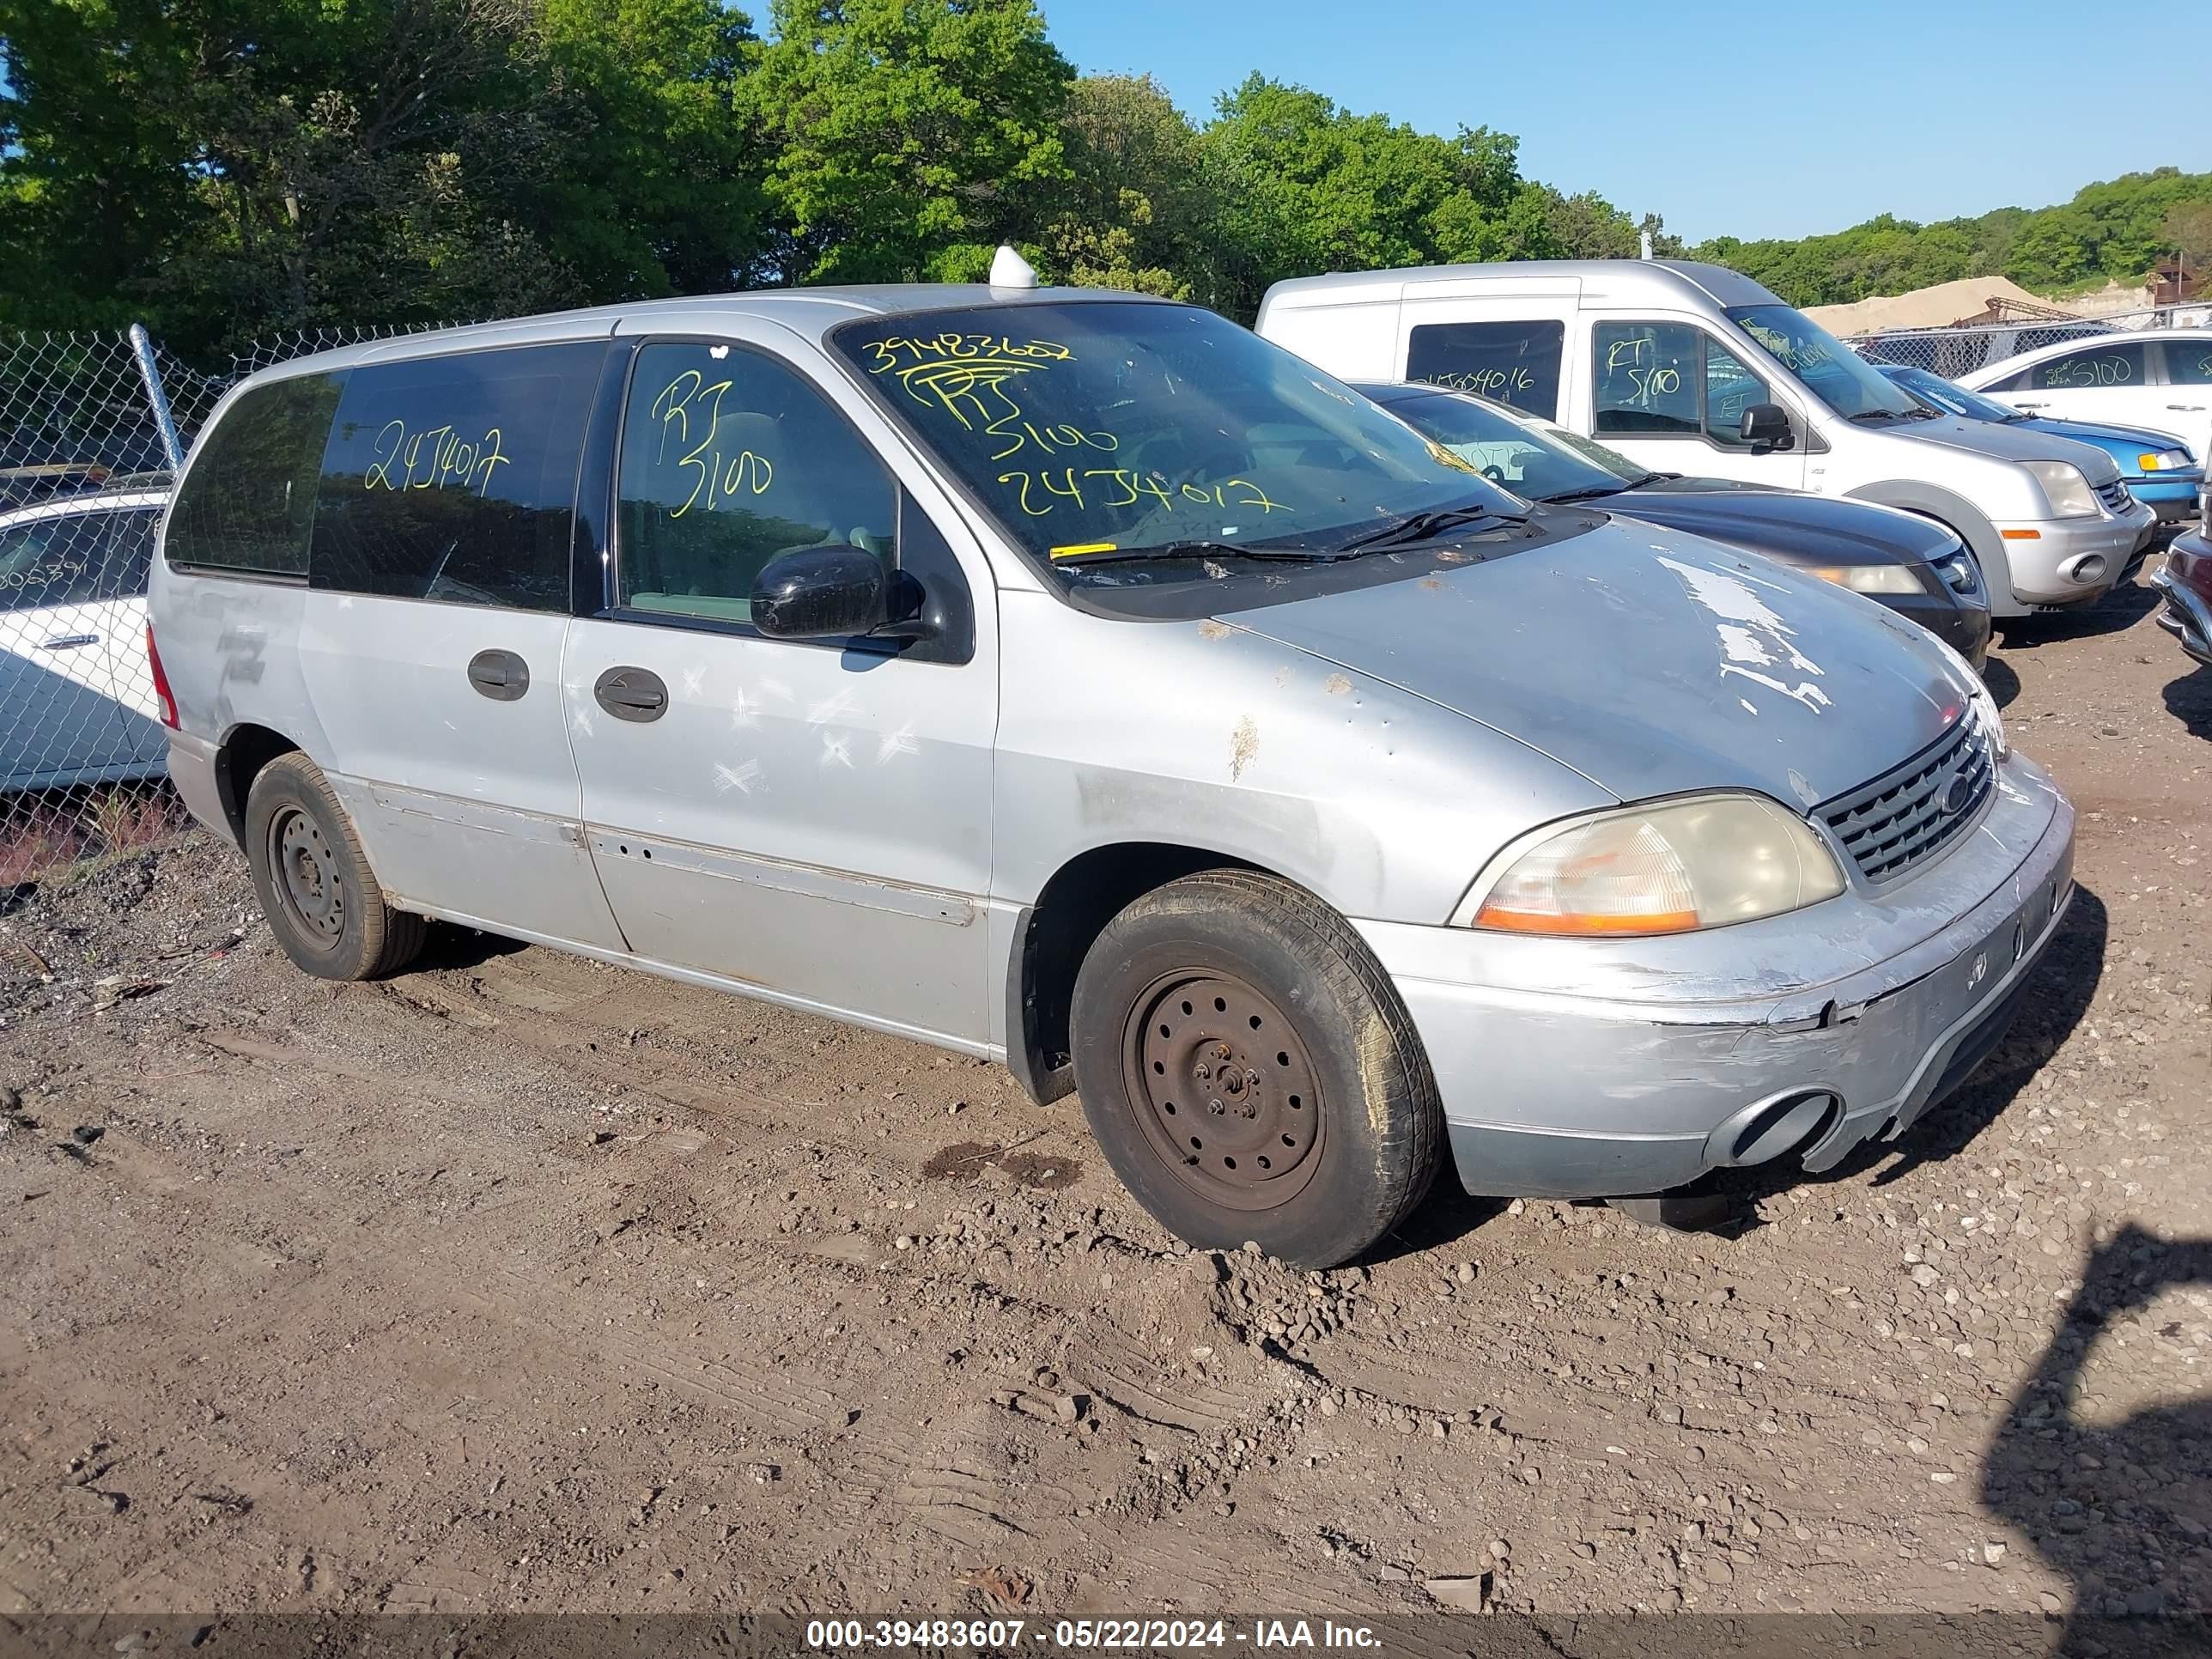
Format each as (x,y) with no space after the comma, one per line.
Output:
(91,428)
(1962,348)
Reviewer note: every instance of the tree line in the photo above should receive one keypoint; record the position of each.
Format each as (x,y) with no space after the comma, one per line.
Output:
(225,168)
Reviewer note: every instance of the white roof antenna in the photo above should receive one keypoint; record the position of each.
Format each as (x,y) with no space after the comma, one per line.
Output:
(1642,244)
(1010,270)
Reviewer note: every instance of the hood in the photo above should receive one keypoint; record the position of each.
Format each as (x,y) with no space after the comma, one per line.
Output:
(2116,440)
(1797,529)
(2006,443)
(1651,662)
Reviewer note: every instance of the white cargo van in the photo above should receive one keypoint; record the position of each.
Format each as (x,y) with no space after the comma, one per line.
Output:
(1693,369)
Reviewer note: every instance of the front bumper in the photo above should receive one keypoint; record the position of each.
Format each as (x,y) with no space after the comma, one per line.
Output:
(1581,1069)
(2049,561)
(2187,614)
(2172,497)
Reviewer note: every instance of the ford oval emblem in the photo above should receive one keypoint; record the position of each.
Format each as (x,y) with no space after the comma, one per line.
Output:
(1960,791)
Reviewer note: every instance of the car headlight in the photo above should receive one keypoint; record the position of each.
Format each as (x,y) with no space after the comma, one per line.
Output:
(1870,578)
(1978,693)
(2167,460)
(2065,489)
(1959,573)
(1669,867)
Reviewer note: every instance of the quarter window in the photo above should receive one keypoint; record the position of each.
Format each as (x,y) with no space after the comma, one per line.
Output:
(246,503)
(1731,388)
(1516,363)
(455,478)
(729,459)
(2189,363)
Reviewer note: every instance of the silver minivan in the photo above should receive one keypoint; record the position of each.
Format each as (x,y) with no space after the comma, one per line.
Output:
(1077,679)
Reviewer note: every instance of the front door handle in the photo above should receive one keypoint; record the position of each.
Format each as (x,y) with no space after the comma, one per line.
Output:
(2188,409)
(632,694)
(68,641)
(500,675)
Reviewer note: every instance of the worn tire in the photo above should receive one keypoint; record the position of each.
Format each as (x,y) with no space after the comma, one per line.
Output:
(1360,1155)
(328,913)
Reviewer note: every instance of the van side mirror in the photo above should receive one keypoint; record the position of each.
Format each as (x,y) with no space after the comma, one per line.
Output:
(1766,425)
(834,592)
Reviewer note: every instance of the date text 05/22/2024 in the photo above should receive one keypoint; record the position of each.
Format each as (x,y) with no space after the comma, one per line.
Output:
(1004,1635)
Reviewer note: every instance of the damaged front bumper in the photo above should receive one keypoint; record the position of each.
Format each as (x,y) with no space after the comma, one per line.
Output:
(1583,1069)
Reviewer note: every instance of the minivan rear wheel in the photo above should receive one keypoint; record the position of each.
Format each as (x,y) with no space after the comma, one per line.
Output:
(1249,1071)
(322,900)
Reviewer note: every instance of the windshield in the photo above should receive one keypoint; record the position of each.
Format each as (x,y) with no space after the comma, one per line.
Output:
(1104,427)
(1830,370)
(1528,458)
(1952,399)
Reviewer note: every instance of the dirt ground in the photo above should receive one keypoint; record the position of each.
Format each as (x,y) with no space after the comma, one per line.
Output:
(521,1283)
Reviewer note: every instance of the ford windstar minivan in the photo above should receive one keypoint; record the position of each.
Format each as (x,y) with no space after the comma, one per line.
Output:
(1078,679)
(1693,369)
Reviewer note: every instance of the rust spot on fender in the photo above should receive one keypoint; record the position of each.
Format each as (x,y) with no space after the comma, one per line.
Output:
(1336,685)
(1244,744)
(1211,629)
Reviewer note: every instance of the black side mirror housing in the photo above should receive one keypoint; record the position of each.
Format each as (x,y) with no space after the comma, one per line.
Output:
(834,592)
(1766,425)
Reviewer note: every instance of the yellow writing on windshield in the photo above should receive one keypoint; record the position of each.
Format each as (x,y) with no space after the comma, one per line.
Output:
(971,377)
(1124,489)
(690,407)
(430,457)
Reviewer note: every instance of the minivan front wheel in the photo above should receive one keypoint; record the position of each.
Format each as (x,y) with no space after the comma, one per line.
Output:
(322,900)
(1249,1071)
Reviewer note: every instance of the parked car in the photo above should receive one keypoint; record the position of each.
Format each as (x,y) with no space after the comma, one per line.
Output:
(2159,377)
(1075,678)
(1694,369)
(2159,470)
(76,703)
(2183,580)
(1910,564)
(20,486)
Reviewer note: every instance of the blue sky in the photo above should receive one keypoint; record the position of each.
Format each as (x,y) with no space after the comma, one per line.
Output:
(1750,120)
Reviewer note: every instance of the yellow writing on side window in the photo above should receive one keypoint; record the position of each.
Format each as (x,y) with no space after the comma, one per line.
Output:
(689,404)
(433,456)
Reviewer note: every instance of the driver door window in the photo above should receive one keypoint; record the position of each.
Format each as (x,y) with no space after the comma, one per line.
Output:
(1670,380)
(729,459)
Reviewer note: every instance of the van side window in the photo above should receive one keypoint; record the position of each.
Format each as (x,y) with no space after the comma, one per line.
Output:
(728,459)
(455,478)
(1516,363)
(1647,378)
(2090,368)
(246,503)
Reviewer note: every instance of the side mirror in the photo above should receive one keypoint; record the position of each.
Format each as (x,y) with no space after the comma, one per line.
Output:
(821,593)
(1766,425)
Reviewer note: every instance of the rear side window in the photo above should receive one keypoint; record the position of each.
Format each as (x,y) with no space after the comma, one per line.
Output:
(2189,363)
(1516,363)
(454,478)
(2090,369)
(246,503)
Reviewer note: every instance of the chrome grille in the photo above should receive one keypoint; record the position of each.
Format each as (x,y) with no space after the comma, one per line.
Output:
(1908,815)
(2114,495)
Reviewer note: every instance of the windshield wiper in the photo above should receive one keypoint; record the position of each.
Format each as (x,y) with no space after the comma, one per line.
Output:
(1591,492)
(1194,550)
(1426,526)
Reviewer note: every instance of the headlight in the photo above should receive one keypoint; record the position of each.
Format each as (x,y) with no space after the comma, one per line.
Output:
(2167,460)
(1984,705)
(1870,578)
(1669,867)
(2067,490)
(1959,573)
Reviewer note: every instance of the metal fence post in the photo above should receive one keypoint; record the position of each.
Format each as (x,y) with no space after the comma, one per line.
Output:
(142,347)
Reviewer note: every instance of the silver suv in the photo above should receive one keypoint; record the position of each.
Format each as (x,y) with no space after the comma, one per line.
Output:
(1078,680)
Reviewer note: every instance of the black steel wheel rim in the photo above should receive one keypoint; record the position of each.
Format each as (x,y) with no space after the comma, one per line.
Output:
(1223,1090)
(304,873)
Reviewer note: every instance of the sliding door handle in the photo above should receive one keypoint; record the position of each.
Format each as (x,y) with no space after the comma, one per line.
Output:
(632,694)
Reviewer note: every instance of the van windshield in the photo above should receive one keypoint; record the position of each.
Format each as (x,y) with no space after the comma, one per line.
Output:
(1107,430)
(1828,368)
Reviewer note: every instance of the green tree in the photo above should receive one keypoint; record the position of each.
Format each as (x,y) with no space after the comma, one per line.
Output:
(908,136)
(1133,211)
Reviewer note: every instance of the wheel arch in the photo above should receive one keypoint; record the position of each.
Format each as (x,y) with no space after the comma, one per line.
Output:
(1963,519)
(1052,935)
(245,749)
